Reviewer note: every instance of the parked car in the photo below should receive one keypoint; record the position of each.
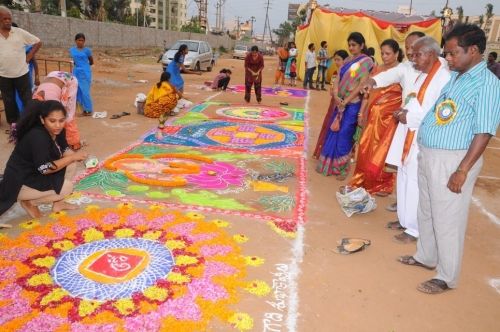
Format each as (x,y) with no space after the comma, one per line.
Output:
(240,51)
(200,56)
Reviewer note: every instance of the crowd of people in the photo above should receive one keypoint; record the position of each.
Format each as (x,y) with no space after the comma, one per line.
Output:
(419,125)
(430,118)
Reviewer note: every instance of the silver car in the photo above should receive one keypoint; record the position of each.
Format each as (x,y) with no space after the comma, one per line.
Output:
(200,56)
(240,51)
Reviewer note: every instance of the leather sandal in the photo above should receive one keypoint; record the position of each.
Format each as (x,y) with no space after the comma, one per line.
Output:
(351,245)
(409,260)
(433,286)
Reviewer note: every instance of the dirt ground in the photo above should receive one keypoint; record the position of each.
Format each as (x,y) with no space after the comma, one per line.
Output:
(368,291)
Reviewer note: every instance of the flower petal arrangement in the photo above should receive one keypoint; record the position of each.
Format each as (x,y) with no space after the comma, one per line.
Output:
(125,269)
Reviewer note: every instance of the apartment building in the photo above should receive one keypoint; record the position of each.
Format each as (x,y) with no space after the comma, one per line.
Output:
(164,14)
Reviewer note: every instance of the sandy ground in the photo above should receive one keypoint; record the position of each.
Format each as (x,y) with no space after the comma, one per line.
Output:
(368,291)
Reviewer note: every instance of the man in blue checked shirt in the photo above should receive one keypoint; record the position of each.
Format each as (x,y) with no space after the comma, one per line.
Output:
(452,139)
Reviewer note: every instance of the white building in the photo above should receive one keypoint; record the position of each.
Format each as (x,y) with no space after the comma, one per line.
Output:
(158,12)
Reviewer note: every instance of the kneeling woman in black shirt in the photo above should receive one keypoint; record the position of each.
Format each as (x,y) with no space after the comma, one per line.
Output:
(41,166)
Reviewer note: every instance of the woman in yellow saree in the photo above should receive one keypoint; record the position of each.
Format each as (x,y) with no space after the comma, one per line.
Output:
(161,100)
(376,117)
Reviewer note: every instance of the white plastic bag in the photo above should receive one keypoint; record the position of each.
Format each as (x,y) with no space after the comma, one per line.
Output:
(140,97)
(354,201)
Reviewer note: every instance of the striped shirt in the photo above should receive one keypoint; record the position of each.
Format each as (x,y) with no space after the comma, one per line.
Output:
(323,53)
(476,95)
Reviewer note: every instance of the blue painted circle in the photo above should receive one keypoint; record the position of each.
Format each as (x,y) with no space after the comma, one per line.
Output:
(65,272)
(195,135)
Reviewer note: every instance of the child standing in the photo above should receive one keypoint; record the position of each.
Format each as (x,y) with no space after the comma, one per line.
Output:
(82,58)
(293,72)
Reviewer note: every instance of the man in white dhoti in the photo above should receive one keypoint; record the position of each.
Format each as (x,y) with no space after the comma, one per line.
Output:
(425,91)
(404,74)
(452,138)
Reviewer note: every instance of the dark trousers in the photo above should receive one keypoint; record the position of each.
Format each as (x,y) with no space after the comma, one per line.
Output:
(8,87)
(223,83)
(322,73)
(248,90)
(308,79)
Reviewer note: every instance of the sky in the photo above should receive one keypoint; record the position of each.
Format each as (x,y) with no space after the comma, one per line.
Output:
(279,8)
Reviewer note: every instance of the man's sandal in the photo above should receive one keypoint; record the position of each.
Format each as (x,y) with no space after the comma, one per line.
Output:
(409,260)
(395,225)
(433,286)
(351,245)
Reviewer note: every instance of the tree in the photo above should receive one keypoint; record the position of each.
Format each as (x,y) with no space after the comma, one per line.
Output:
(193,26)
(481,20)
(116,10)
(489,12)
(433,13)
(283,32)
(10,4)
(50,7)
(460,12)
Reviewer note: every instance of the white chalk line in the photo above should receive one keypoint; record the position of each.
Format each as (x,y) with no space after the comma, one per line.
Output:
(495,138)
(495,283)
(493,147)
(488,177)
(481,207)
(297,252)
(213,96)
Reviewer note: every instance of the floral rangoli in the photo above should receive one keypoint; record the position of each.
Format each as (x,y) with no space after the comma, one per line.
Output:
(125,269)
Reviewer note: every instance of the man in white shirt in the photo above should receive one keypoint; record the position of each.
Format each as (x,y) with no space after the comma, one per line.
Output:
(404,74)
(14,63)
(310,66)
(433,76)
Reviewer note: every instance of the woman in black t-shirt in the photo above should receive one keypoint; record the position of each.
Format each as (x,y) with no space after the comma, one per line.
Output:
(41,166)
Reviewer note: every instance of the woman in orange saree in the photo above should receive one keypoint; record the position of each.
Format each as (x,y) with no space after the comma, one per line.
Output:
(377,113)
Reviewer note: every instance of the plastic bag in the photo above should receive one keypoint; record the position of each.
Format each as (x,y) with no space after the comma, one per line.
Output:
(140,97)
(355,200)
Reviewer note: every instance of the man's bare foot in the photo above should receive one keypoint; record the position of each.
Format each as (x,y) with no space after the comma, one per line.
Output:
(62,205)
(30,209)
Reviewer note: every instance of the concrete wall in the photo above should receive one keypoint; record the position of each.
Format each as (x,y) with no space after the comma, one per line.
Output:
(56,31)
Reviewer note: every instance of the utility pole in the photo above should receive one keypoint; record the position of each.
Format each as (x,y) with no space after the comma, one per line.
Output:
(202,13)
(411,5)
(238,27)
(266,22)
(252,19)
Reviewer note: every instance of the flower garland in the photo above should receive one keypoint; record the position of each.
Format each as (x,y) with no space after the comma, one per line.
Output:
(202,285)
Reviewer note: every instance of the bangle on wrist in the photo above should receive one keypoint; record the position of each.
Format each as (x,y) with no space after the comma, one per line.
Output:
(460,170)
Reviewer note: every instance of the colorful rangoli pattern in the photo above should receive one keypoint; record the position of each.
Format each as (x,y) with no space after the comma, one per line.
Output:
(232,135)
(287,117)
(275,92)
(125,269)
(267,186)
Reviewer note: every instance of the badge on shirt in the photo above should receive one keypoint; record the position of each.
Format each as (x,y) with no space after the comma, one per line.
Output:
(410,97)
(354,69)
(445,112)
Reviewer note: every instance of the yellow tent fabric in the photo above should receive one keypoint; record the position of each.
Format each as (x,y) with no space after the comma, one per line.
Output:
(335,28)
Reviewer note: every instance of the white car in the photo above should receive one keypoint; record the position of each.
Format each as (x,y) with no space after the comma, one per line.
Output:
(240,51)
(200,56)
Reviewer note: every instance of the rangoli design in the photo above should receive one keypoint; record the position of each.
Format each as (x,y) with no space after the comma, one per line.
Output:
(234,135)
(125,269)
(275,92)
(266,185)
(287,117)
